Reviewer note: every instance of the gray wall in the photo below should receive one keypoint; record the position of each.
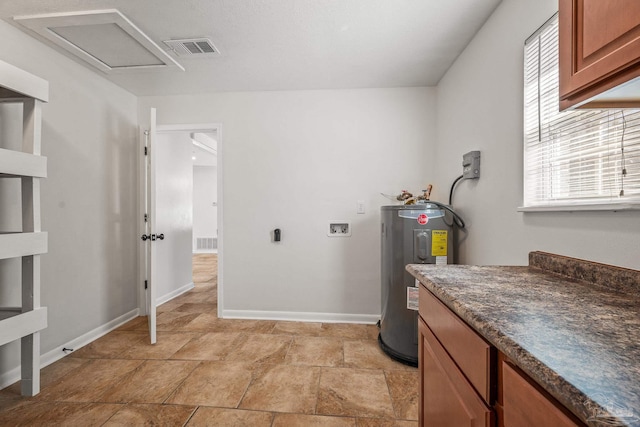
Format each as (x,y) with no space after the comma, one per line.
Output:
(297,160)
(480,107)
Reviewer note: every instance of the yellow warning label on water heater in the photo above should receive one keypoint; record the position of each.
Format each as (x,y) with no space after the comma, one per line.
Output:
(439,242)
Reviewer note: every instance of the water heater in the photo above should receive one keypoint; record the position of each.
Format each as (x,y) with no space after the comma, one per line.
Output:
(411,234)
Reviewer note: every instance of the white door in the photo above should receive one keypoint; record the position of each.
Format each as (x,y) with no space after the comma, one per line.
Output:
(168,204)
(173,216)
(149,237)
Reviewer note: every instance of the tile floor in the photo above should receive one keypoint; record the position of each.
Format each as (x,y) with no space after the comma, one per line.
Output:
(206,371)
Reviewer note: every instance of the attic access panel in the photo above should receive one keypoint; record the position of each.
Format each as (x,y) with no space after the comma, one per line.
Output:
(106,39)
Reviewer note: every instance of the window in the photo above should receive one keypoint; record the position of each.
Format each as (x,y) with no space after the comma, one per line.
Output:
(588,159)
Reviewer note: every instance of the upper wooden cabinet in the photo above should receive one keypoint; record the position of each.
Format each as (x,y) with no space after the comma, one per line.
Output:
(599,51)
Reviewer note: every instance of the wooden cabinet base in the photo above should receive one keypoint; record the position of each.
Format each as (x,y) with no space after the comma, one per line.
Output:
(525,406)
(447,398)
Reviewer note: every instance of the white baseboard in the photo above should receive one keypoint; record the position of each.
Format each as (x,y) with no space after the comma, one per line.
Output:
(10,377)
(205,251)
(301,316)
(171,295)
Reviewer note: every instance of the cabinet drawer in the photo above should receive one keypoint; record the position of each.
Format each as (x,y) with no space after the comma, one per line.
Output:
(525,406)
(470,352)
(447,398)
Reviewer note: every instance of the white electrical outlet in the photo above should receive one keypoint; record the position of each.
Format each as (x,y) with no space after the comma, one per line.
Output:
(339,229)
(360,207)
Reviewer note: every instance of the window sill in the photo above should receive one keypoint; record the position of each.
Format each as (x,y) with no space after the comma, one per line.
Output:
(612,207)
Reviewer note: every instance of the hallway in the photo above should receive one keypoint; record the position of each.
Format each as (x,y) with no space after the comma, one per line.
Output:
(222,372)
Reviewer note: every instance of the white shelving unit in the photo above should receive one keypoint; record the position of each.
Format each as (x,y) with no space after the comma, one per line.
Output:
(25,322)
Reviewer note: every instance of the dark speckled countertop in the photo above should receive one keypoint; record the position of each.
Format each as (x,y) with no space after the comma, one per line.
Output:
(572,325)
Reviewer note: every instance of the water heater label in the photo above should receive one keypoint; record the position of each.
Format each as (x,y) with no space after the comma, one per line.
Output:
(423,219)
(439,243)
(412,298)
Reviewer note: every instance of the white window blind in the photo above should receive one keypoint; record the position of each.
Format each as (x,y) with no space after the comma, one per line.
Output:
(588,157)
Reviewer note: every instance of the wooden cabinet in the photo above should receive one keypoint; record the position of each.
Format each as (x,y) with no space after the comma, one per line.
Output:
(464,380)
(455,366)
(525,405)
(469,351)
(27,167)
(599,50)
(447,399)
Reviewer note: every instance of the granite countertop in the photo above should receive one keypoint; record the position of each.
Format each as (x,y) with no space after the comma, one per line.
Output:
(572,325)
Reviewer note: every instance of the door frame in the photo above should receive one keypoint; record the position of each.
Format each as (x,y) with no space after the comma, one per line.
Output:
(197,127)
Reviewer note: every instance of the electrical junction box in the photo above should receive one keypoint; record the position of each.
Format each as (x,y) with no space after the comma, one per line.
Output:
(471,165)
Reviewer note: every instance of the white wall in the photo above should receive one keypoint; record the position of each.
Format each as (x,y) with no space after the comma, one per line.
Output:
(294,161)
(205,196)
(89,201)
(174,214)
(480,107)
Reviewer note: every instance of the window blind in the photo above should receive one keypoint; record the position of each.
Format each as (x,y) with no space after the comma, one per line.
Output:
(585,157)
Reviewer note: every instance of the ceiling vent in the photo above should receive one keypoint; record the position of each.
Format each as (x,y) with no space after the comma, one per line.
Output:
(200,47)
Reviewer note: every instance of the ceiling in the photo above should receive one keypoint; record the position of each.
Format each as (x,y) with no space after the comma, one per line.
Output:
(290,44)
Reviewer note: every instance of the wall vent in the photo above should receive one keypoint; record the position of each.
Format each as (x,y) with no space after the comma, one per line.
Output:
(201,47)
(206,243)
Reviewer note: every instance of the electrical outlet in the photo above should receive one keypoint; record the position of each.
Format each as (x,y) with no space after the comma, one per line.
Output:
(339,229)
(360,207)
(471,165)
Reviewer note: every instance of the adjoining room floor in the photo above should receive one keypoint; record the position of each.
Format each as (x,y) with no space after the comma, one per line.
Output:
(222,372)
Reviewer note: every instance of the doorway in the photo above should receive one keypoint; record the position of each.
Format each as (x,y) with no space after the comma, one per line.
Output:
(179,151)
(204,154)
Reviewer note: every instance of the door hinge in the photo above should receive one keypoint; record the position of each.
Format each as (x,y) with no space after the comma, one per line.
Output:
(146,284)
(146,151)
(146,217)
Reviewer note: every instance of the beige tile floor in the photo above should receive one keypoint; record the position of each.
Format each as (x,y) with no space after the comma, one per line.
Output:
(206,371)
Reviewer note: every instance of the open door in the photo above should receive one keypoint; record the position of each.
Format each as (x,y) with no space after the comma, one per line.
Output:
(167,231)
(149,237)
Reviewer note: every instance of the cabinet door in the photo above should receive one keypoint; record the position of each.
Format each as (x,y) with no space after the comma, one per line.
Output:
(599,46)
(525,406)
(447,399)
(468,350)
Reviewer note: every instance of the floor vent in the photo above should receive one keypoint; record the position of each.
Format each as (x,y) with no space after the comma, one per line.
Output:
(201,47)
(204,243)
